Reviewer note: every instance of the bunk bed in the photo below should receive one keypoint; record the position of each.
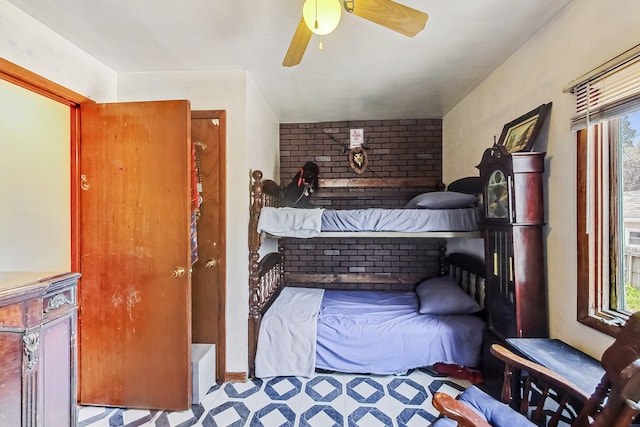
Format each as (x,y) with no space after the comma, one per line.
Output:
(457,335)
(435,214)
(365,332)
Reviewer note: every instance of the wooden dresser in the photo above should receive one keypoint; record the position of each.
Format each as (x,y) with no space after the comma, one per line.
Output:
(38,318)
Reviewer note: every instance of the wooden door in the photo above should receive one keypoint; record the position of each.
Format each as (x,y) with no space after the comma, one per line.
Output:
(135,291)
(208,133)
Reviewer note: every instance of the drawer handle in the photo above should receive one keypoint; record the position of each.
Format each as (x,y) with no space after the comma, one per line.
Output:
(57,302)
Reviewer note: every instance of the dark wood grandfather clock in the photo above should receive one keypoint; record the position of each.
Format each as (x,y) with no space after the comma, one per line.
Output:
(514,247)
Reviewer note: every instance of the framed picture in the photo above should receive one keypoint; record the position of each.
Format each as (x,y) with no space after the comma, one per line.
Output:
(521,133)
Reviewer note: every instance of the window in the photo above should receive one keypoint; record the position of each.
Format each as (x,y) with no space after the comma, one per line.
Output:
(609,235)
(608,179)
(633,236)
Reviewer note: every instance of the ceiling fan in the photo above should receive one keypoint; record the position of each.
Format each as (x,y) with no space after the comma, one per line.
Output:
(322,16)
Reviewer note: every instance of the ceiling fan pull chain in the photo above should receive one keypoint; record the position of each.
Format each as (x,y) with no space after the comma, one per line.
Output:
(349,5)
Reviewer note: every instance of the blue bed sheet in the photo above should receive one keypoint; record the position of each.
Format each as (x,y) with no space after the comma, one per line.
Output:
(383,333)
(401,220)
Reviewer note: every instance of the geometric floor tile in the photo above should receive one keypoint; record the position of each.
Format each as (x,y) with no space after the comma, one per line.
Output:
(324,400)
(323,388)
(242,390)
(274,414)
(407,391)
(321,416)
(229,414)
(410,417)
(365,390)
(369,417)
(283,388)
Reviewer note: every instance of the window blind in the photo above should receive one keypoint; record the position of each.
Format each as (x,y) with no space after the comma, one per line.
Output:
(609,91)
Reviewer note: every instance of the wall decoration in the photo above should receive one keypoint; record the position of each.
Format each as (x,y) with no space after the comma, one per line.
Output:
(521,133)
(344,147)
(358,160)
(356,138)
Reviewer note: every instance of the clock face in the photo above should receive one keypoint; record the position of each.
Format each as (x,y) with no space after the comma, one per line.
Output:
(497,196)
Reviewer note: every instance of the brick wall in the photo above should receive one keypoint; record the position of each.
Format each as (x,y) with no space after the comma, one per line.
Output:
(395,149)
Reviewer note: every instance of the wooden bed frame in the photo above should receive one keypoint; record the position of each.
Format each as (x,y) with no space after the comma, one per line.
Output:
(267,281)
(266,276)
(266,193)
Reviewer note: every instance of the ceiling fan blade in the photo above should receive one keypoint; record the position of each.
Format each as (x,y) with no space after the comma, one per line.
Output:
(298,45)
(396,17)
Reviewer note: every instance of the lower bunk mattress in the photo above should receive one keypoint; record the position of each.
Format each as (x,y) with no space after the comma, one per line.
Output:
(373,332)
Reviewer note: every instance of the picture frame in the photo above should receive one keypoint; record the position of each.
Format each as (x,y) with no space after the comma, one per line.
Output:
(521,134)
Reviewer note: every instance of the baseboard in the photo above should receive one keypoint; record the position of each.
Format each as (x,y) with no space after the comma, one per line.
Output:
(235,377)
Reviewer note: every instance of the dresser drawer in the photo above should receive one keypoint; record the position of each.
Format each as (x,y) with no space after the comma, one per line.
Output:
(12,317)
(58,302)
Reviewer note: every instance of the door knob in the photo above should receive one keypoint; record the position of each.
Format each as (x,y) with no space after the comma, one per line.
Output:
(178,272)
(211,263)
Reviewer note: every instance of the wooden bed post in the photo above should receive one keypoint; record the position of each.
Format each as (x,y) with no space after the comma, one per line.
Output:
(443,266)
(254,278)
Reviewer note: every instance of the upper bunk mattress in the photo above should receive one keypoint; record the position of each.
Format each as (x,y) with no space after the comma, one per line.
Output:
(401,220)
(292,222)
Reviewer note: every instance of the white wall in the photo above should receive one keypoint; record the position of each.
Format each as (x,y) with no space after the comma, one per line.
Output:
(587,34)
(29,44)
(35,226)
(264,145)
(34,141)
(252,131)
(252,142)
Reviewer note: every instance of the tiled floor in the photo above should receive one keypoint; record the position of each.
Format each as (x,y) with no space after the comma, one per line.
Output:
(328,399)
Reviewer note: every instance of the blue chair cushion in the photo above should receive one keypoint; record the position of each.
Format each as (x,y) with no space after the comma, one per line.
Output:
(496,413)
(444,422)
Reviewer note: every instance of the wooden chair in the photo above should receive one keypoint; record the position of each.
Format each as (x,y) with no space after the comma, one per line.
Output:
(543,397)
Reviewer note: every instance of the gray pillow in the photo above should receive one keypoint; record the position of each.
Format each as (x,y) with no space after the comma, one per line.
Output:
(442,200)
(442,295)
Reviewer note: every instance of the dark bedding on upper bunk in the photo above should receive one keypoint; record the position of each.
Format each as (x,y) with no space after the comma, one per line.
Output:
(377,332)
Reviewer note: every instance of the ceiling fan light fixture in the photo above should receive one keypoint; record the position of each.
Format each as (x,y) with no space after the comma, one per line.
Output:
(322,16)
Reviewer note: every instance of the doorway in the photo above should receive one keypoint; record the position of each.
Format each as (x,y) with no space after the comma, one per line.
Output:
(208,135)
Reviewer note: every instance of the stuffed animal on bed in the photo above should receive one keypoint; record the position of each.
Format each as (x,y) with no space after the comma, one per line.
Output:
(304,183)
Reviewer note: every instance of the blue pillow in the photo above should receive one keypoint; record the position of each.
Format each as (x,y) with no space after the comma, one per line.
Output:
(442,200)
(442,295)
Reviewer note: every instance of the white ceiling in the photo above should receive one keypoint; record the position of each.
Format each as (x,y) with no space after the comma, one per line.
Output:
(364,72)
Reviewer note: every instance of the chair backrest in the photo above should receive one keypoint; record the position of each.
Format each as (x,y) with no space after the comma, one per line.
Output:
(529,386)
(615,401)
